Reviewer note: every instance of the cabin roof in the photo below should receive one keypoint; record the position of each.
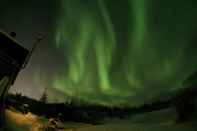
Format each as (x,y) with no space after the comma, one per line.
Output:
(11,50)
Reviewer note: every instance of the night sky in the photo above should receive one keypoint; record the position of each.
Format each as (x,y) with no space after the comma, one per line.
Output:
(109,52)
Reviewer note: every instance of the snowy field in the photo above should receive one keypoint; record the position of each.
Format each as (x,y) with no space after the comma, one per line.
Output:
(153,121)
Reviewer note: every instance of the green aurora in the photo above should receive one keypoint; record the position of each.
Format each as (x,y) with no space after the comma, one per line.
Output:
(125,52)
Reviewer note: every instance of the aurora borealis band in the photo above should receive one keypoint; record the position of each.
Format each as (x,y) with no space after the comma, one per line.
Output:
(118,52)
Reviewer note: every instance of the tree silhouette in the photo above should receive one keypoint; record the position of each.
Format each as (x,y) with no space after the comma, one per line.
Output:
(44,96)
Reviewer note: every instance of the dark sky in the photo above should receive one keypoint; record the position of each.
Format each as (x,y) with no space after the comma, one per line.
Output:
(27,19)
(103,51)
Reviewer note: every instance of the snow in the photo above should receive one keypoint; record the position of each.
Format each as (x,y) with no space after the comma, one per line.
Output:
(153,121)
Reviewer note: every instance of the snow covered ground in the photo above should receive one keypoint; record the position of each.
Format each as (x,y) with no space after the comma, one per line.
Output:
(154,121)
(140,127)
